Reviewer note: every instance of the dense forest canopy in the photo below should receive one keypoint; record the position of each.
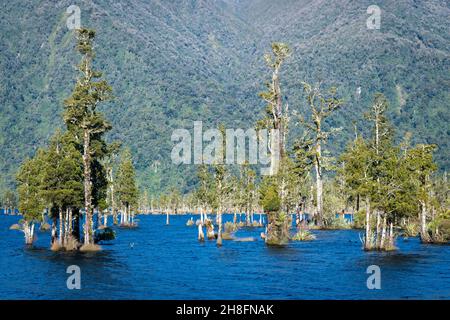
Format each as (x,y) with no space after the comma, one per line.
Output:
(173,62)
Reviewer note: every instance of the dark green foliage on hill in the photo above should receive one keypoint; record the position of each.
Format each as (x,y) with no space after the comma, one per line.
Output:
(172,62)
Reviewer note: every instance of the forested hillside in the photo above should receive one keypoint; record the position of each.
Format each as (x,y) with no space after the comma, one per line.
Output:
(173,62)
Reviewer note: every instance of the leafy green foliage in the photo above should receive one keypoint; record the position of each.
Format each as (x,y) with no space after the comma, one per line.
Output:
(127,191)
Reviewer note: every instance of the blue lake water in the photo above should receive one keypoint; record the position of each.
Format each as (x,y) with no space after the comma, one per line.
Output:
(155,261)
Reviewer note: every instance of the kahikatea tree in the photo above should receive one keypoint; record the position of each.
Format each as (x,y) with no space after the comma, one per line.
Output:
(62,188)
(85,122)
(319,107)
(127,190)
(276,118)
(276,110)
(31,205)
(373,170)
(278,221)
(420,165)
(9,201)
(356,174)
(247,185)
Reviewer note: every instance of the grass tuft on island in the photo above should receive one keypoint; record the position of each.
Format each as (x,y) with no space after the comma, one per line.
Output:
(303,235)
(90,248)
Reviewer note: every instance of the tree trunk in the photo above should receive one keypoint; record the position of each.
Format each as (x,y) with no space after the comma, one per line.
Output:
(423,223)
(297,216)
(383,233)
(61,229)
(219,233)
(377,239)
(368,242)
(66,226)
(105,220)
(87,188)
(391,235)
(28,230)
(54,220)
(319,188)
(70,222)
(201,236)
(76,225)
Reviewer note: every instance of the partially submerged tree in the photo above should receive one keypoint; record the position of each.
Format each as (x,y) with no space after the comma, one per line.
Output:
(109,164)
(276,121)
(420,165)
(84,121)
(320,106)
(62,186)
(30,201)
(9,201)
(127,190)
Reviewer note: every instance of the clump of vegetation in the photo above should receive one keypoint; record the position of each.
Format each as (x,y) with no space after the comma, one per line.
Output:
(210,234)
(227,236)
(257,224)
(15,226)
(56,246)
(278,222)
(359,219)
(105,234)
(411,230)
(71,243)
(44,226)
(90,248)
(230,227)
(303,235)
(439,229)
(337,224)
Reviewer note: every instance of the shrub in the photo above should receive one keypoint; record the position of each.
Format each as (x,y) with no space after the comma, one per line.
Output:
(105,234)
(411,230)
(303,235)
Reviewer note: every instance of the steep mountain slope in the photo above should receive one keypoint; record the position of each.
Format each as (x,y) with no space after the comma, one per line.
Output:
(173,62)
(408,58)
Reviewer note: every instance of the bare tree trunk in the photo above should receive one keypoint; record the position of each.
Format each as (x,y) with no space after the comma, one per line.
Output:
(377,240)
(61,231)
(201,236)
(70,222)
(391,235)
(53,227)
(66,226)
(105,220)
(423,223)
(383,233)
(87,188)
(219,233)
(319,188)
(368,242)
(28,230)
